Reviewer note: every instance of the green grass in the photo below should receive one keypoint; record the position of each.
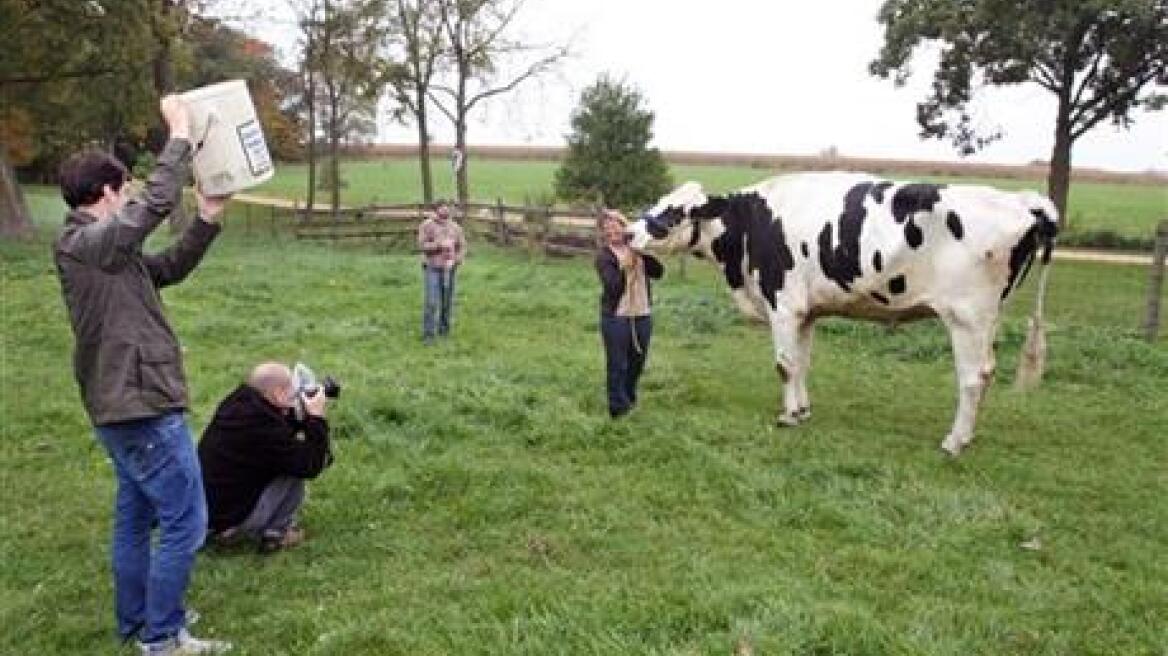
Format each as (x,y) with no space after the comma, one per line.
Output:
(1130,211)
(482,503)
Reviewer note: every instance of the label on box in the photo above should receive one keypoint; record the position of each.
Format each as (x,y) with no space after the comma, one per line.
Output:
(251,137)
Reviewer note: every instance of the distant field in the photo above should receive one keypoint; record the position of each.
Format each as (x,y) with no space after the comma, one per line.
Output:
(1130,210)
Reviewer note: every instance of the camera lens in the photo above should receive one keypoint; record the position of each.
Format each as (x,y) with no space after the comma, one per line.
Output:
(332,389)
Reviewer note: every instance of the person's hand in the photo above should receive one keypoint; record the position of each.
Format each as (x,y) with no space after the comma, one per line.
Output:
(314,405)
(211,207)
(626,257)
(177,116)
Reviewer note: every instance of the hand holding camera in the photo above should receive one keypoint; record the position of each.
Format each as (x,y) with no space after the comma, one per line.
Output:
(315,401)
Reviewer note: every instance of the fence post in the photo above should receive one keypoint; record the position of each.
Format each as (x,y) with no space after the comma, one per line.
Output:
(1156,282)
(501,223)
(545,237)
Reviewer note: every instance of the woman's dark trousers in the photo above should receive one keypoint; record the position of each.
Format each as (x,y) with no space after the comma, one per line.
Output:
(626,346)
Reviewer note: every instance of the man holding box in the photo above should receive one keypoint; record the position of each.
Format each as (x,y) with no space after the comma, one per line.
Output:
(128,365)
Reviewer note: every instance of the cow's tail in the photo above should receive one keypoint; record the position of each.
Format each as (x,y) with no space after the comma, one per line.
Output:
(1032,363)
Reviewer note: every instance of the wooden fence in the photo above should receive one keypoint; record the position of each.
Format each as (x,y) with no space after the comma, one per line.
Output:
(552,230)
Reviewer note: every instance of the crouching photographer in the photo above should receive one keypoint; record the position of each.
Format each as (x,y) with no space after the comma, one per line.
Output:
(266,438)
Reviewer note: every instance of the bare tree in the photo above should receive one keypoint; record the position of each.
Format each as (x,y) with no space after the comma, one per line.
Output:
(309,19)
(351,73)
(415,51)
(478,51)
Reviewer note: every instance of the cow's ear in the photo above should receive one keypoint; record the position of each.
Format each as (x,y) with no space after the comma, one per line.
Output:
(715,206)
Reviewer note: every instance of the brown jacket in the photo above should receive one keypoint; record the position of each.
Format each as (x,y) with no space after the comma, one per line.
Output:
(126,358)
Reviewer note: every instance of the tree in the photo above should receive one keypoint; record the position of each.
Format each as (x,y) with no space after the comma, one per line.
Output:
(478,51)
(412,64)
(609,159)
(54,52)
(346,36)
(1102,59)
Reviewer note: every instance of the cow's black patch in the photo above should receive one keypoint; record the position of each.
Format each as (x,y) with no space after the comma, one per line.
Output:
(878,190)
(913,234)
(806,251)
(877,261)
(752,230)
(880,297)
(659,226)
(841,262)
(953,222)
(913,198)
(897,285)
(910,199)
(728,252)
(826,253)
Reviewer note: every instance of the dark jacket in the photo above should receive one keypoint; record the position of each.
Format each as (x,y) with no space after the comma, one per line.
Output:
(612,279)
(126,358)
(250,442)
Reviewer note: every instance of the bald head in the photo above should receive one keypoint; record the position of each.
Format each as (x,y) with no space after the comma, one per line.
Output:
(274,381)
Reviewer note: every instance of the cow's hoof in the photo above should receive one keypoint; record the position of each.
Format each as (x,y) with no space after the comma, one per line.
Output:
(804,413)
(952,446)
(787,420)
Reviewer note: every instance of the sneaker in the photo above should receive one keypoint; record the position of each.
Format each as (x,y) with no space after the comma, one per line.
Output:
(184,644)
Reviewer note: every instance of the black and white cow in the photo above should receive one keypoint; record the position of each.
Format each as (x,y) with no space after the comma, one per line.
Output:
(797,247)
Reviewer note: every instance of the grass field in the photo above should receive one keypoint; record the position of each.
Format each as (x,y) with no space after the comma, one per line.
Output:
(482,503)
(1127,210)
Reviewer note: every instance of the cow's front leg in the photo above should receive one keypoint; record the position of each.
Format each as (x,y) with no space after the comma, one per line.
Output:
(972,339)
(788,364)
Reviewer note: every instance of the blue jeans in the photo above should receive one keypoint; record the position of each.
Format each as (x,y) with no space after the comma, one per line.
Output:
(626,347)
(438,307)
(159,480)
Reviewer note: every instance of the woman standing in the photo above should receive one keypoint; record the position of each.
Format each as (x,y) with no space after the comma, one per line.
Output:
(625,299)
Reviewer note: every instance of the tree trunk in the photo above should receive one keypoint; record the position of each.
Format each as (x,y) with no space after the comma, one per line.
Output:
(424,152)
(461,174)
(1058,182)
(163,63)
(14,217)
(334,151)
(310,90)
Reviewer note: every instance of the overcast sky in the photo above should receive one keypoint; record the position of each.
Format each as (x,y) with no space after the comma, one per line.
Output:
(758,76)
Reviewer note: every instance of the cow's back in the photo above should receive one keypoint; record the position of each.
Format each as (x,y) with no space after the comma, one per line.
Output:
(869,247)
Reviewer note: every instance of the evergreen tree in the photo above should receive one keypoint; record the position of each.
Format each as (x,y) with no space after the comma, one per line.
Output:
(609,159)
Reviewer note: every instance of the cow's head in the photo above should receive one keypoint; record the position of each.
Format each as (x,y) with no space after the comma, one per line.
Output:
(681,219)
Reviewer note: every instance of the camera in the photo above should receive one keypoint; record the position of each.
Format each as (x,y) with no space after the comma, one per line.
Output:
(330,387)
(306,385)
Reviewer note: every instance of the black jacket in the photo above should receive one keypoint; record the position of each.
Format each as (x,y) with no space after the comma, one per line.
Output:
(250,442)
(126,358)
(612,279)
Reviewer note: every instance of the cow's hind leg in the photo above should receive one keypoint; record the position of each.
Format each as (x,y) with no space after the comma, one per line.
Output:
(972,336)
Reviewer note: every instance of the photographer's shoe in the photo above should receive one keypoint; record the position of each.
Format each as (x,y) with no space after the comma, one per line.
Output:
(273,542)
(184,644)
